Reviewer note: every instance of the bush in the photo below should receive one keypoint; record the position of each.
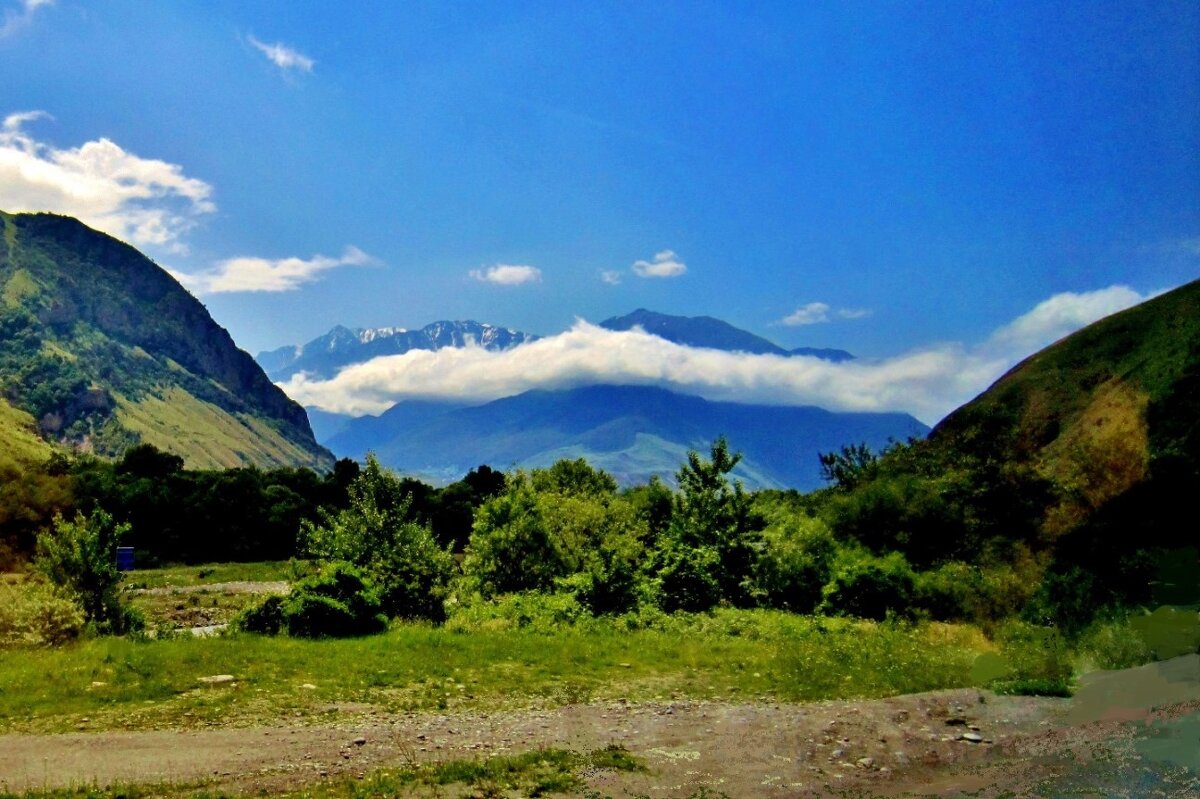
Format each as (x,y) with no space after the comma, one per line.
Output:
(1034,661)
(686,578)
(870,587)
(377,534)
(80,557)
(33,614)
(337,602)
(265,618)
(543,613)
(794,565)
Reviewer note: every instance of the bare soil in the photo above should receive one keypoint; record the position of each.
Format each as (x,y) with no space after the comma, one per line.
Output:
(909,745)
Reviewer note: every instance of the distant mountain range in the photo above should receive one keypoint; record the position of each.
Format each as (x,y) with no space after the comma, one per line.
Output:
(705,331)
(101,349)
(340,347)
(633,432)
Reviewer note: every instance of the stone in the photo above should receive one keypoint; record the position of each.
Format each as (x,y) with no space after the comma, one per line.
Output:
(972,737)
(359,741)
(865,762)
(217,679)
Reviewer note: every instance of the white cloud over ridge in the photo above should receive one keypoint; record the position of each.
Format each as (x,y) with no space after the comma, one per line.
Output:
(507,274)
(142,200)
(927,382)
(282,56)
(664,264)
(247,273)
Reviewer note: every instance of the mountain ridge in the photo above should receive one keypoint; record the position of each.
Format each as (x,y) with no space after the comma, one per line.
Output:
(712,333)
(324,355)
(105,349)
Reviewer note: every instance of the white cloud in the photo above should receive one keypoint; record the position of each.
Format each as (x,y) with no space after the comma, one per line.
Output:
(507,274)
(665,264)
(16,18)
(284,57)
(246,274)
(853,313)
(142,200)
(1061,315)
(927,382)
(611,276)
(814,313)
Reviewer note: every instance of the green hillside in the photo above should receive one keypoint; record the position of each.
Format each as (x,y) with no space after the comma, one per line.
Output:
(1105,410)
(101,349)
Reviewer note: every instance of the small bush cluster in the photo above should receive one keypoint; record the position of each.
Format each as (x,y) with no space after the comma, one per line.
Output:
(338,602)
(32,613)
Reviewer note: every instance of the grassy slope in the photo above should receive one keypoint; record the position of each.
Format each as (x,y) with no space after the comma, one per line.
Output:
(1082,409)
(94,300)
(20,444)
(207,436)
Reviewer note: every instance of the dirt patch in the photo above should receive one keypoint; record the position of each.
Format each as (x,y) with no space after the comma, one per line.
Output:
(740,749)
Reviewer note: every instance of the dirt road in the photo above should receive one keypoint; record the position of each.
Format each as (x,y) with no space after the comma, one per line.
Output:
(937,743)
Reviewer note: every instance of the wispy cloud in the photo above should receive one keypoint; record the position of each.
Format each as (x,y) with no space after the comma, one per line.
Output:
(816,313)
(143,200)
(16,18)
(664,264)
(927,382)
(250,274)
(507,274)
(285,57)
(611,276)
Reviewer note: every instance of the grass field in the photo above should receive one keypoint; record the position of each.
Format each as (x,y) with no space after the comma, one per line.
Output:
(120,683)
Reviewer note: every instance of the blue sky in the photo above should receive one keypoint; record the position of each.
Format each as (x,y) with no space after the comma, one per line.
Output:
(897,175)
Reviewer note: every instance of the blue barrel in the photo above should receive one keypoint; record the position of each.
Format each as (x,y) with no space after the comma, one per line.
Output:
(125,559)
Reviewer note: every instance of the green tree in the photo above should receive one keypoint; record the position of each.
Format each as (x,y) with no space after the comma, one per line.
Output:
(511,548)
(847,468)
(712,538)
(377,534)
(80,556)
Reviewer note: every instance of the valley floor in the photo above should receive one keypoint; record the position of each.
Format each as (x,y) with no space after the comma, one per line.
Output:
(1105,742)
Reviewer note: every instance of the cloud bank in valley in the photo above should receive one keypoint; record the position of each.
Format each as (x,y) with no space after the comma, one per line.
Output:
(927,382)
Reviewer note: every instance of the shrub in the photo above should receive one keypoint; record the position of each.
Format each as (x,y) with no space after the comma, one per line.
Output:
(870,587)
(80,557)
(265,618)
(376,534)
(338,602)
(794,565)
(1036,661)
(33,614)
(686,578)
(543,613)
